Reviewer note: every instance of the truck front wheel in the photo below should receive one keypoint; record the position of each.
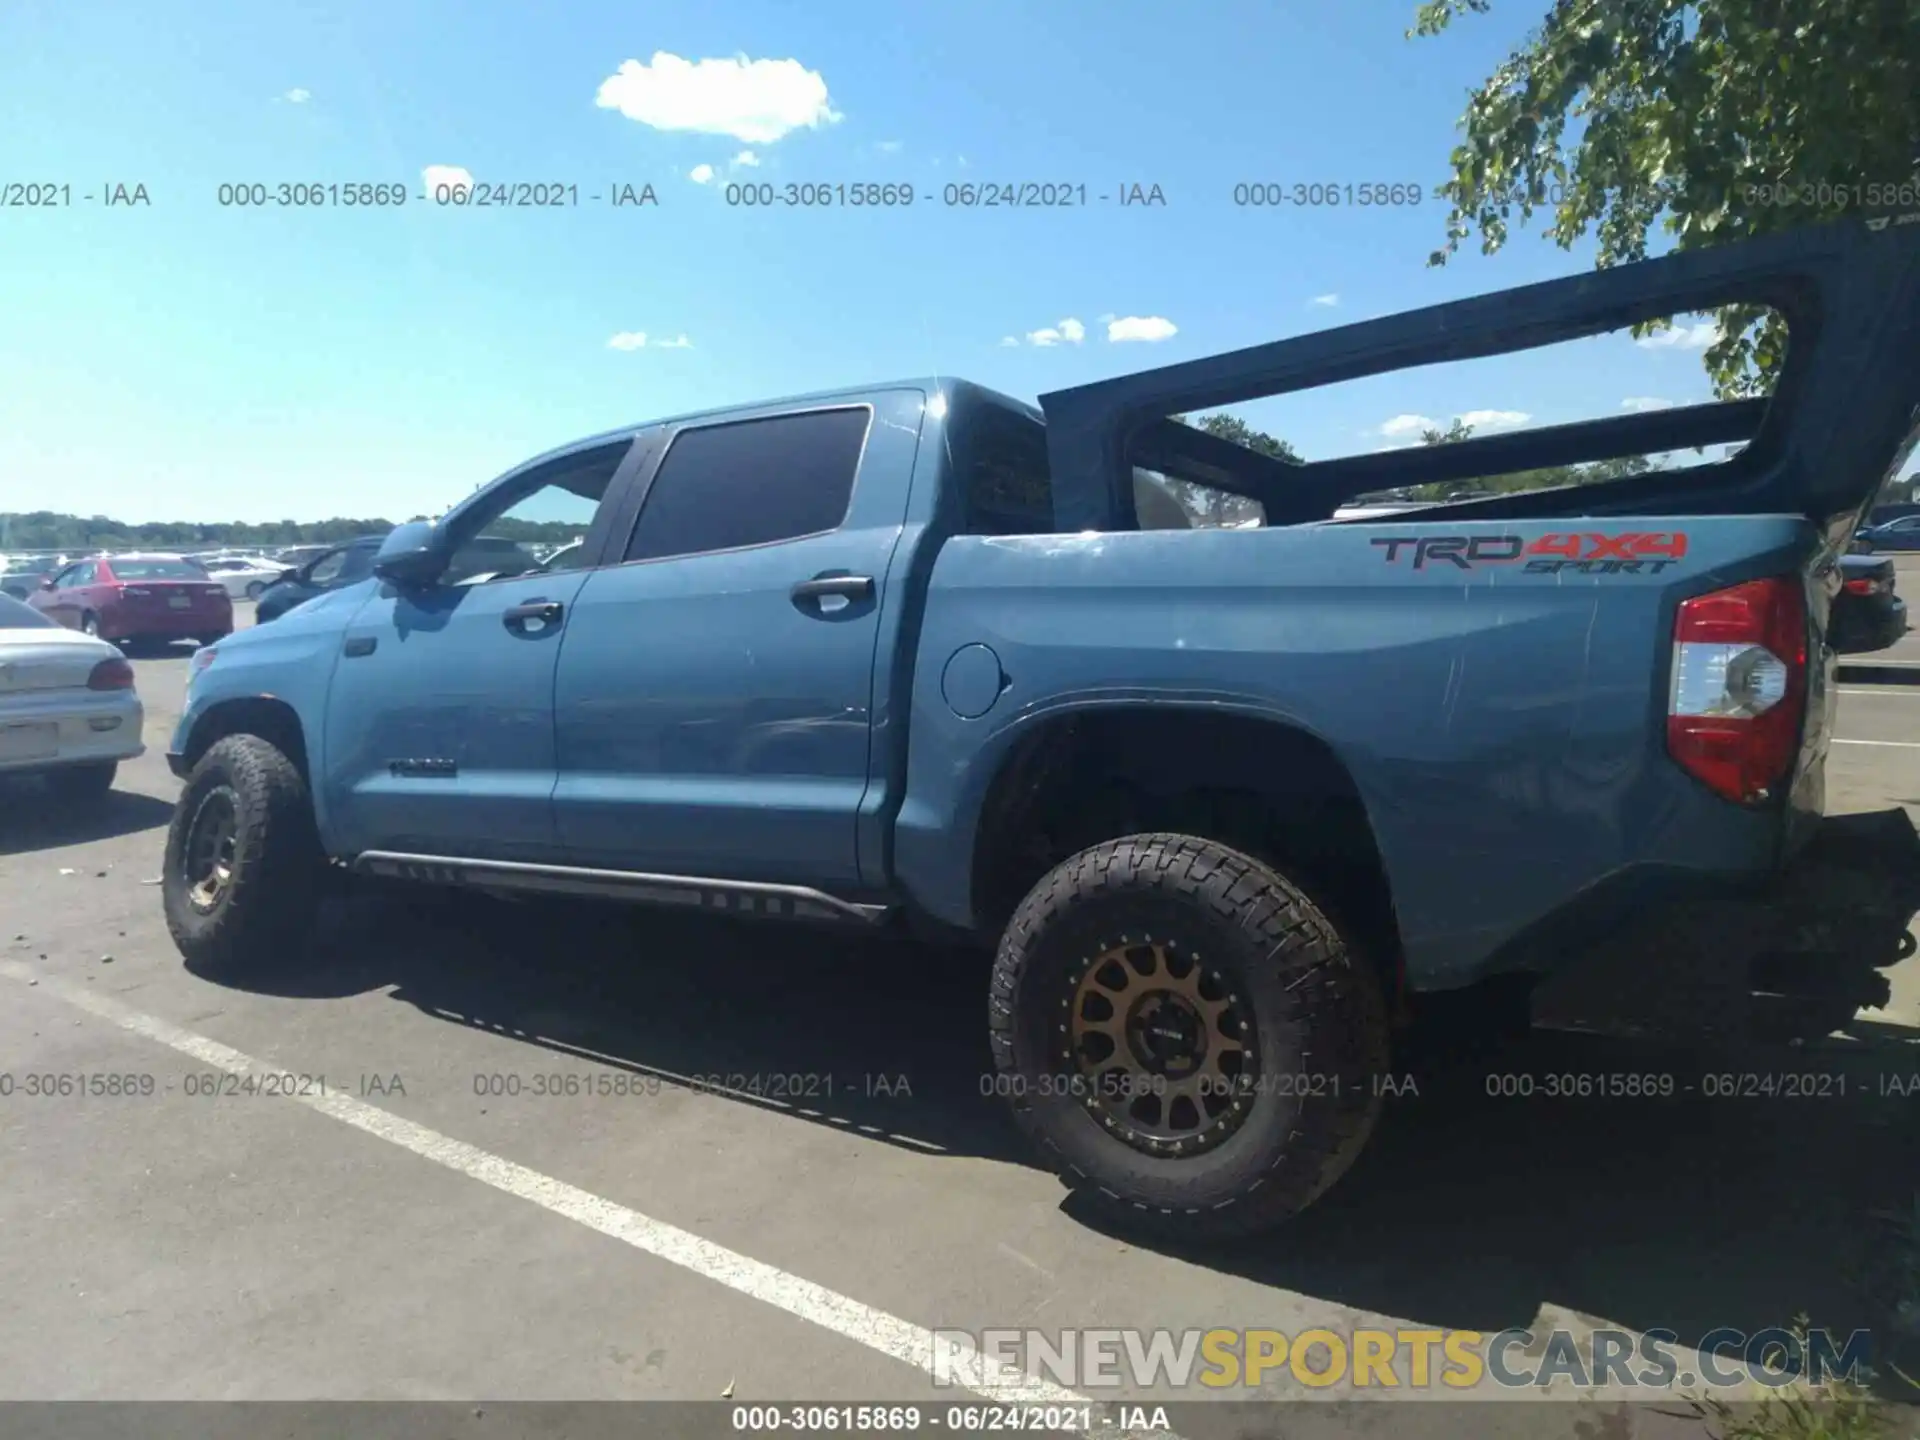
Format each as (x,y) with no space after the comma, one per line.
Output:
(243,862)
(1185,1036)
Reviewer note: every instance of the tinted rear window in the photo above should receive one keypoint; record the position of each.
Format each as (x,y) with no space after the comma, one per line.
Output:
(15,616)
(1006,479)
(751,482)
(156,570)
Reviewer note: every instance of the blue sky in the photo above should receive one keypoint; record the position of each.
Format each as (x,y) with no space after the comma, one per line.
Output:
(186,360)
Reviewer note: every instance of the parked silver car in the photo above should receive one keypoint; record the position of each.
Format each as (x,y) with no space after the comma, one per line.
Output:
(68,709)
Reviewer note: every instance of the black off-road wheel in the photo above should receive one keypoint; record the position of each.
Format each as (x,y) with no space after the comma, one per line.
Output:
(1185,1036)
(243,868)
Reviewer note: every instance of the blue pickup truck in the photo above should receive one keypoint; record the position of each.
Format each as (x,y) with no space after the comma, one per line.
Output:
(1229,803)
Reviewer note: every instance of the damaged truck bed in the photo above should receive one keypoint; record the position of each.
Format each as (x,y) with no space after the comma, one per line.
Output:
(1225,801)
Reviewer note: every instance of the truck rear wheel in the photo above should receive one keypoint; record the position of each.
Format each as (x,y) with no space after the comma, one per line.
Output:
(1185,1036)
(243,861)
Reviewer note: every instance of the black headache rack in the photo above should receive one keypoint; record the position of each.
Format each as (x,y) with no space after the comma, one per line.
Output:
(1842,418)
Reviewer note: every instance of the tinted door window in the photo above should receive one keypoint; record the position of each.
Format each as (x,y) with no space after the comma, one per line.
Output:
(329,568)
(356,564)
(82,574)
(1007,482)
(556,512)
(752,482)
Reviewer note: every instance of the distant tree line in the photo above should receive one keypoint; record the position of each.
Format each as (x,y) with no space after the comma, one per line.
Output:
(1210,506)
(51,530)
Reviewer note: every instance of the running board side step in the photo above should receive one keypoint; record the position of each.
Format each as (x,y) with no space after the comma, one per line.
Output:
(730,897)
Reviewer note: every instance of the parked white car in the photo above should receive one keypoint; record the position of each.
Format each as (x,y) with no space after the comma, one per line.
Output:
(244,576)
(68,709)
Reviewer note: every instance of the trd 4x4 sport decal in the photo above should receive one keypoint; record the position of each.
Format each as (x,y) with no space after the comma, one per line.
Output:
(1582,554)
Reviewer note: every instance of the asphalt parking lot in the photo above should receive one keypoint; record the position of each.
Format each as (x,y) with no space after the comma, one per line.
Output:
(438,1237)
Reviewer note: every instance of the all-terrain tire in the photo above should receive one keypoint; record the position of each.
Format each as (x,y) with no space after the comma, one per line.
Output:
(264,911)
(82,784)
(1318,1020)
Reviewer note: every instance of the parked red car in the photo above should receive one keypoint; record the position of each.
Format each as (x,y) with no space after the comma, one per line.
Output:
(133,598)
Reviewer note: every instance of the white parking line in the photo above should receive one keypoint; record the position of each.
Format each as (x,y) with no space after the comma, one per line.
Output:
(1912,692)
(1894,744)
(935,1354)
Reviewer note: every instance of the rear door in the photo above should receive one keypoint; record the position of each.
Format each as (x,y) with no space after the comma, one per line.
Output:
(715,695)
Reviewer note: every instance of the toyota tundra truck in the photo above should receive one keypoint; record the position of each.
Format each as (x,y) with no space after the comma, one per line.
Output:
(1227,802)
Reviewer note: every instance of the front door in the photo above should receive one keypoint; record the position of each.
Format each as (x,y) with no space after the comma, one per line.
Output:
(440,727)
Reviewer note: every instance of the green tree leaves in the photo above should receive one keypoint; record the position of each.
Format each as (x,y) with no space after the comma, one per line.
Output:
(1232,427)
(1716,120)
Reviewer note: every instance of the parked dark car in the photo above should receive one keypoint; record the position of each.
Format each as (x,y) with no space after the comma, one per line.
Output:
(484,557)
(1900,534)
(1867,614)
(22,577)
(137,598)
(332,569)
(295,556)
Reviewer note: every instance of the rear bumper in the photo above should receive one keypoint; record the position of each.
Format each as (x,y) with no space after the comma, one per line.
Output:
(45,733)
(1815,935)
(122,624)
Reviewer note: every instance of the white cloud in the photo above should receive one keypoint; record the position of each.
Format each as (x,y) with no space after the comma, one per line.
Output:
(700,174)
(745,160)
(1140,327)
(637,340)
(755,101)
(297,96)
(1682,337)
(1494,419)
(1328,299)
(1009,340)
(1405,427)
(448,175)
(1069,330)
(889,147)
(1644,403)
(1401,426)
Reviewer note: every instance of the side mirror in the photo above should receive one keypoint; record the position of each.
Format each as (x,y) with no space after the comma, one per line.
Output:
(46,582)
(411,556)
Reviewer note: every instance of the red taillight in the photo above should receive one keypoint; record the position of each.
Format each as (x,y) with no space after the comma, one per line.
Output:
(114,674)
(1878,585)
(1739,687)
